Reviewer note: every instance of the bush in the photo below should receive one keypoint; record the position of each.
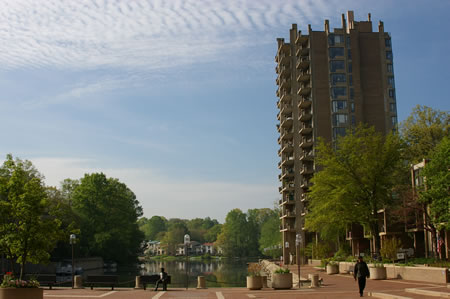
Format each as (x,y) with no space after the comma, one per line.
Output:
(254,269)
(390,248)
(282,271)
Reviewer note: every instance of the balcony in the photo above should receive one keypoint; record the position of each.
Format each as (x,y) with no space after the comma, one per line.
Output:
(306,129)
(286,122)
(303,77)
(289,187)
(303,63)
(305,102)
(304,90)
(287,161)
(285,83)
(307,156)
(306,170)
(286,174)
(305,116)
(287,228)
(306,143)
(303,197)
(301,39)
(285,71)
(286,135)
(305,184)
(286,147)
(286,108)
(287,214)
(285,97)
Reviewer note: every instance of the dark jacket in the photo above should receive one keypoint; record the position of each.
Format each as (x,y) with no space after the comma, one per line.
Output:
(361,270)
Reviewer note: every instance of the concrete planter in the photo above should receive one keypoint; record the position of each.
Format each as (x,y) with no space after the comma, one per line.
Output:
(21,293)
(254,282)
(282,280)
(332,269)
(377,273)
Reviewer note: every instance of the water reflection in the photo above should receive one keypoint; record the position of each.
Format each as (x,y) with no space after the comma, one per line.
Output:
(218,273)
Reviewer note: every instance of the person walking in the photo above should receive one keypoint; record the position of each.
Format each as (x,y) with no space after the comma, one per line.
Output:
(162,279)
(360,273)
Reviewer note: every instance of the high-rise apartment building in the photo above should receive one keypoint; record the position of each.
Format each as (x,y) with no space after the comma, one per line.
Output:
(327,82)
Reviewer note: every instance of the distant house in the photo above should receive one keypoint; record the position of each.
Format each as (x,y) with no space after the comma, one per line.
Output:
(153,248)
(208,248)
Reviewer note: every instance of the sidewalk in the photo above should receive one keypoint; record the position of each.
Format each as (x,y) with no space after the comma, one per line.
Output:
(334,286)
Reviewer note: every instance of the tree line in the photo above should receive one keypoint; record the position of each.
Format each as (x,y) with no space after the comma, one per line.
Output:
(254,233)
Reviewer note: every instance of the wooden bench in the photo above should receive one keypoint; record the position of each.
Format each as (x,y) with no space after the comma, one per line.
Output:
(152,279)
(43,279)
(110,280)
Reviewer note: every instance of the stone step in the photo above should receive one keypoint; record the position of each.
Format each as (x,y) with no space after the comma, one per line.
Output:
(387,296)
(428,293)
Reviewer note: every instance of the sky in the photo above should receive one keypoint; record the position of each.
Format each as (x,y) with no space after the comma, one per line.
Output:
(176,98)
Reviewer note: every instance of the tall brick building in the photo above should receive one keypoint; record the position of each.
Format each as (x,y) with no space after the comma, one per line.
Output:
(327,82)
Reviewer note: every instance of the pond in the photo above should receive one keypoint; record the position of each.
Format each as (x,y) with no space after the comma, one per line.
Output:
(217,273)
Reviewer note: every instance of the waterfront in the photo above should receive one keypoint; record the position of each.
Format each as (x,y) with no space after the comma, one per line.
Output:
(217,272)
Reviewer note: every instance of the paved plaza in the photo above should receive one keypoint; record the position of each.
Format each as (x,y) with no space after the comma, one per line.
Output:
(334,286)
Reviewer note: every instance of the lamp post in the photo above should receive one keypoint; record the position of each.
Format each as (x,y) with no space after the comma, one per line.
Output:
(187,241)
(287,260)
(298,241)
(72,242)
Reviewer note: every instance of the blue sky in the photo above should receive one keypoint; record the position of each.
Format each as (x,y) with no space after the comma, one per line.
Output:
(176,98)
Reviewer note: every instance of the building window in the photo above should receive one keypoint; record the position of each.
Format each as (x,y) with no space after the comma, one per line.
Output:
(350,80)
(392,107)
(353,120)
(337,78)
(391,81)
(339,119)
(347,44)
(335,39)
(337,132)
(349,54)
(394,120)
(387,42)
(392,93)
(335,51)
(338,105)
(352,107)
(350,67)
(389,55)
(352,93)
(338,91)
(336,65)
(390,68)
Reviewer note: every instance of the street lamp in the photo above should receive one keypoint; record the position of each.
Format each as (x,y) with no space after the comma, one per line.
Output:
(298,241)
(187,241)
(287,260)
(72,239)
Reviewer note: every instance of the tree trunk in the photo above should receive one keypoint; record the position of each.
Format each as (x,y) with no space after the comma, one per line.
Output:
(375,234)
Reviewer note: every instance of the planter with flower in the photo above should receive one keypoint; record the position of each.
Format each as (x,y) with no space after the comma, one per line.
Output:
(14,288)
(254,278)
(282,279)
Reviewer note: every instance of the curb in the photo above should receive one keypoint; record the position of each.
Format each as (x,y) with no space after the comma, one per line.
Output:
(387,296)
(428,293)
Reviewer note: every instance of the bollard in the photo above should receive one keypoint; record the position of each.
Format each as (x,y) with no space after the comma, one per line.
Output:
(264,282)
(138,283)
(201,283)
(314,280)
(78,282)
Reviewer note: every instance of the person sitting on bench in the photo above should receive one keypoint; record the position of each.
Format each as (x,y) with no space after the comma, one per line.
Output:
(162,279)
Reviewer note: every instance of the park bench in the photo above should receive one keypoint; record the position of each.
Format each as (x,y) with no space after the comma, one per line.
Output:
(151,279)
(43,279)
(110,280)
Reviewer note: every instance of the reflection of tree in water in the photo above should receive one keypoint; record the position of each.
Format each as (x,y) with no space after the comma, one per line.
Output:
(223,273)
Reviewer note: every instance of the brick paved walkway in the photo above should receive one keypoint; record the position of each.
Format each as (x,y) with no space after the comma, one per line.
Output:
(334,286)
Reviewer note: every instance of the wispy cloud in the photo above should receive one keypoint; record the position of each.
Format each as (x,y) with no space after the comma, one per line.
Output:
(152,34)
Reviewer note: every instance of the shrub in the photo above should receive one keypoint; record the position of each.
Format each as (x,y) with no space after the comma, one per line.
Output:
(254,269)
(282,271)
(390,248)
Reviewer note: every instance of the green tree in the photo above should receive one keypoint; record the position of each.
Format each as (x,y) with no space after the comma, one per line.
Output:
(356,180)
(212,234)
(423,130)
(29,229)
(436,195)
(270,237)
(152,227)
(235,236)
(108,213)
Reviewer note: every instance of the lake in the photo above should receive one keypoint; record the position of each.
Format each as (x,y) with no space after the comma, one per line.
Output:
(218,273)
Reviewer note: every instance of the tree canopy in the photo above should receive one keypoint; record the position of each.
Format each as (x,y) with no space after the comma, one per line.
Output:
(356,180)
(29,228)
(437,180)
(423,130)
(108,212)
